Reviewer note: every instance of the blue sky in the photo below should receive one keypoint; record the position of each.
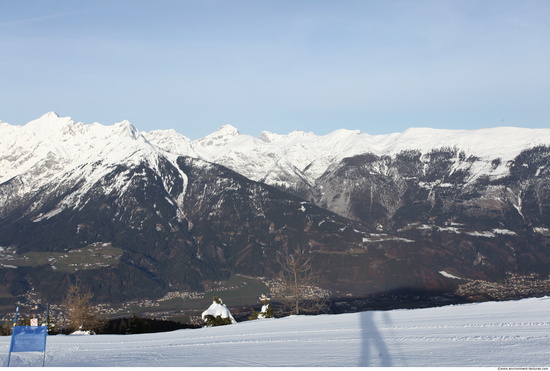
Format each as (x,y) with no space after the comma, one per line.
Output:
(277,65)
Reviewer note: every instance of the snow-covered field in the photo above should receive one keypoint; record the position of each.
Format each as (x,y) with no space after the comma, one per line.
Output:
(503,334)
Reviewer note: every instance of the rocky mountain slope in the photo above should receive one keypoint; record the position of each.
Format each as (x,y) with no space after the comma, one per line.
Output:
(423,209)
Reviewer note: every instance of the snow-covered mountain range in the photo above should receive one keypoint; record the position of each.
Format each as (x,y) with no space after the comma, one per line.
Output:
(271,158)
(297,157)
(373,208)
(53,147)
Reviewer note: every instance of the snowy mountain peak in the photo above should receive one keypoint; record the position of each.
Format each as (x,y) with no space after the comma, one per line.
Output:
(50,119)
(171,141)
(266,136)
(220,137)
(126,128)
(49,115)
(302,134)
(124,123)
(225,131)
(49,125)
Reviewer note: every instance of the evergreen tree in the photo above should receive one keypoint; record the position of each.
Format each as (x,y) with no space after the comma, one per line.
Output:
(267,309)
(24,321)
(217,314)
(211,321)
(123,326)
(5,330)
(265,312)
(138,325)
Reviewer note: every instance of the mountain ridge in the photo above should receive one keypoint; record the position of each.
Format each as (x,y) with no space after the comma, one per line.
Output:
(310,155)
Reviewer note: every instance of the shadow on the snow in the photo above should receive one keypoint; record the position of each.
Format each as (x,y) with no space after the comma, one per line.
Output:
(374,351)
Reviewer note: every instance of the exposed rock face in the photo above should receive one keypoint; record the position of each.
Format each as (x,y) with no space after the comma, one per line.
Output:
(442,185)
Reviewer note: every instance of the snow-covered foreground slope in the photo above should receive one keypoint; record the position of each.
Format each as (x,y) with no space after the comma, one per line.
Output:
(489,334)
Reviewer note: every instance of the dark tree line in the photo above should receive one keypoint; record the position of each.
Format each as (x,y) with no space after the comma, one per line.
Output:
(139,325)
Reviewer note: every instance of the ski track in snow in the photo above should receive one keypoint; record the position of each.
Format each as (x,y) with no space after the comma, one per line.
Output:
(515,333)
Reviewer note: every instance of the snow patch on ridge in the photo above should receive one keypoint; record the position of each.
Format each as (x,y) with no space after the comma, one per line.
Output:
(449,275)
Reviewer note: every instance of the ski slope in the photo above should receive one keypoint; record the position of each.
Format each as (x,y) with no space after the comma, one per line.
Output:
(495,334)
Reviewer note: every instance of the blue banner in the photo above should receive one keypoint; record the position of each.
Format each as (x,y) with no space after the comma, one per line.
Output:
(29,339)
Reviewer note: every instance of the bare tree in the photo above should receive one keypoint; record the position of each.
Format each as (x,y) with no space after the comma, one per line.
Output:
(80,313)
(296,286)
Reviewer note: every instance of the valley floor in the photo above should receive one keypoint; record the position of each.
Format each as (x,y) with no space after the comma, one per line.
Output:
(493,334)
